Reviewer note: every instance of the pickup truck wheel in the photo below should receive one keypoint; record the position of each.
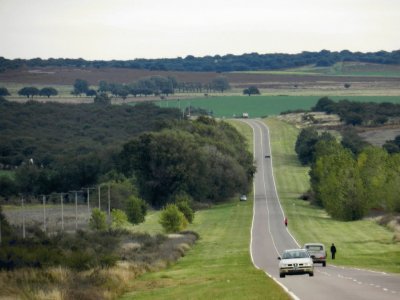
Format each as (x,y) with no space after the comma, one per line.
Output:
(282,275)
(324,264)
(311,274)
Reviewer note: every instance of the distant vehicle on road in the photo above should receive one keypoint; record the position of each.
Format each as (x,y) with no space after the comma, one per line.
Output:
(243,198)
(295,261)
(317,252)
(267,156)
(245,115)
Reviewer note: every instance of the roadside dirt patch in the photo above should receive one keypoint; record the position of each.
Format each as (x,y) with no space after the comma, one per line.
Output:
(317,119)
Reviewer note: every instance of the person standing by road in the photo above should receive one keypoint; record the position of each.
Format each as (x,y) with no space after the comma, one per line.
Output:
(333,250)
(285,221)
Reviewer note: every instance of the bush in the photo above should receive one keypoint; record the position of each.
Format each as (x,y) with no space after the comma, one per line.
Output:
(119,218)
(172,219)
(182,202)
(98,220)
(136,210)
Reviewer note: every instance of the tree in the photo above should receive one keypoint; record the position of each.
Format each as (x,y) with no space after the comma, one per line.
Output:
(251,90)
(305,142)
(172,219)
(28,91)
(336,182)
(103,87)
(98,220)
(352,141)
(80,86)
(136,210)
(183,201)
(119,218)
(4,92)
(372,163)
(48,91)
(91,93)
(325,104)
(220,83)
(102,99)
(7,186)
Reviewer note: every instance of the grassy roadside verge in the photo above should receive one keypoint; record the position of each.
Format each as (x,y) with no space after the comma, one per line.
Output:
(218,266)
(360,244)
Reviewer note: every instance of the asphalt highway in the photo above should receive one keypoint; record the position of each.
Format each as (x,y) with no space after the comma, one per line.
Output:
(270,237)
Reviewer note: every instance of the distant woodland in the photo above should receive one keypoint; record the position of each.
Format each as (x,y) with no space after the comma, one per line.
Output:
(54,147)
(216,63)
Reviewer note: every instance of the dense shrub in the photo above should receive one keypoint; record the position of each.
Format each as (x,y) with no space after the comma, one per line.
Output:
(136,210)
(98,220)
(172,219)
(119,218)
(183,201)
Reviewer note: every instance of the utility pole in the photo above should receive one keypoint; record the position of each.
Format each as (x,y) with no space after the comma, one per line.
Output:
(62,211)
(23,217)
(44,213)
(76,208)
(109,201)
(88,198)
(99,197)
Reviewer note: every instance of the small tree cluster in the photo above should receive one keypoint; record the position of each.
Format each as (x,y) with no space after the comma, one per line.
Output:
(31,91)
(306,141)
(251,90)
(98,220)
(348,186)
(183,201)
(172,219)
(119,219)
(4,91)
(136,210)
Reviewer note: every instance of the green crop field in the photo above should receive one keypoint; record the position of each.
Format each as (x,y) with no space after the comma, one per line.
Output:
(361,243)
(259,106)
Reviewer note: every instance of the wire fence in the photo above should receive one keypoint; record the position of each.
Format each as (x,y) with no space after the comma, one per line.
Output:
(53,213)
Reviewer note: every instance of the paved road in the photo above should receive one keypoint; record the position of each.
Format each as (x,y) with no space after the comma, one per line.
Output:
(270,237)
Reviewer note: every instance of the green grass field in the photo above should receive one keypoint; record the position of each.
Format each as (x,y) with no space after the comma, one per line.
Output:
(362,243)
(259,106)
(219,265)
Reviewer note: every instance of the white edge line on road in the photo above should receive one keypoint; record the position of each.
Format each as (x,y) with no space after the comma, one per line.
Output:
(254,200)
(283,287)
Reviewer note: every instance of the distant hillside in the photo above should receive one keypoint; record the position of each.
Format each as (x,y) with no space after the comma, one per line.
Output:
(217,63)
(343,68)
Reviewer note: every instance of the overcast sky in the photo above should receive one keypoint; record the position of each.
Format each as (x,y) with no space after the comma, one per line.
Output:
(129,29)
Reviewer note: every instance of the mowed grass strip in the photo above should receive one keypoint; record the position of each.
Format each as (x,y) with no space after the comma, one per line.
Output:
(362,243)
(219,266)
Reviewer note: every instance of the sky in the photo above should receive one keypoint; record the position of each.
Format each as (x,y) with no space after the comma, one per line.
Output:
(130,29)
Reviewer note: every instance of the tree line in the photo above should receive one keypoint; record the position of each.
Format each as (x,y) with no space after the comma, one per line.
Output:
(349,178)
(217,63)
(359,113)
(151,85)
